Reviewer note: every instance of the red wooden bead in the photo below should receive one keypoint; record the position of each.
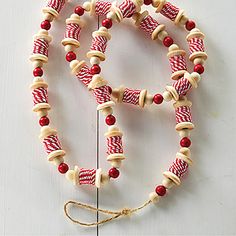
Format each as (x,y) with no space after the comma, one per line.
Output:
(46,25)
(199,68)
(107,23)
(190,25)
(161,190)
(38,71)
(168,41)
(110,120)
(63,168)
(79,10)
(158,99)
(95,69)
(114,173)
(70,56)
(147,2)
(44,121)
(109,89)
(185,142)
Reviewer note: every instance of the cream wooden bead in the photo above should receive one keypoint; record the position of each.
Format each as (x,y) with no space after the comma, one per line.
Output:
(183,20)
(116,163)
(148,99)
(184,133)
(196,76)
(107,111)
(95,61)
(70,47)
(167,96)
(38,79)
(154,197)
(86,6)
(58,161)
(158,4)
(48,16)
(37,63)
(167,183)
(111,15)
(198,60)
(105,178)
(162,35)
(98,178)
(42,112)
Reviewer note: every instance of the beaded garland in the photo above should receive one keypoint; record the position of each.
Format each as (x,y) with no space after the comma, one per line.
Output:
(106,97)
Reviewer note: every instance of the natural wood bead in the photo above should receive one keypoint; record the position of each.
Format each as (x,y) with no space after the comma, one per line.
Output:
(42,112)
(158,4)
(148,99)
(183,20)
(196,76)
(168,183)
(105,178)
(107,111)
(58,161)
(154,197)
(37,63)
(111,15)
(184,133)
(162,35)
(48,16)
(70,48)
(98,178)
(95,61)
(167,96)
(86,6)
(116,163)
(199,61)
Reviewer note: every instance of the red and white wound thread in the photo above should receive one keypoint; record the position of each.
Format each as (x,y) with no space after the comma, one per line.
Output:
(73,31)
(87,176)
(170,11)
(131,96)
(102,94)
(51,143)
(148,24)
(183,114)
(99,43)
(57,5)
(41,47)
(40,95)
(179,167)
(84,75)
(182,86)
(127,8)
(102,8)
(177,63)
(196,45)
(114,145)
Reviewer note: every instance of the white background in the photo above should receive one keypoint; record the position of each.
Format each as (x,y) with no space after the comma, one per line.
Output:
(32,193)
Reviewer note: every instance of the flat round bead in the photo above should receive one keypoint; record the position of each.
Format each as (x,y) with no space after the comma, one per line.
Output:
(46,25)
(70,56)
(168,41)
(79,10)
(43,121)
(158,99)
(199,69)
(107,23)
(38,72)
(190,25)
(95,69)
(161,190)
(114,173)
(110,120)
(185,142)
(63,168)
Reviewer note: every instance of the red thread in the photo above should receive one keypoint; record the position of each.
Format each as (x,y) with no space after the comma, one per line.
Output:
(182,86)
(56,4)
(102,8)
(177,63)
(102,94)
(131,96)
(72,31)
(196,45)
(40,95)
(87,176)
(51,143)
(183,114)
(148,24)
(84,75)
(114,145)
(127,8)
(99,43)
(170,11)
(40,47)
(179,167)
